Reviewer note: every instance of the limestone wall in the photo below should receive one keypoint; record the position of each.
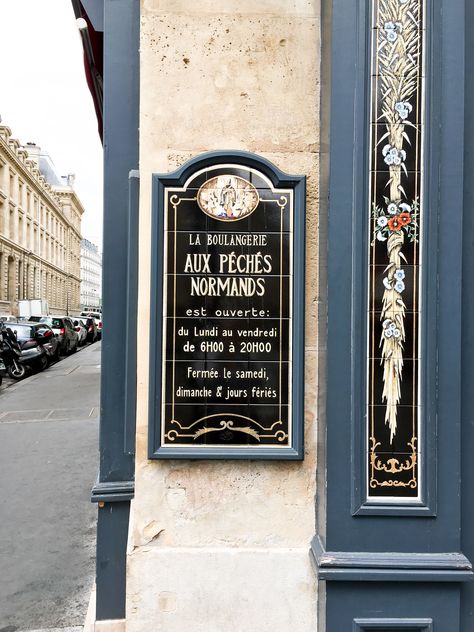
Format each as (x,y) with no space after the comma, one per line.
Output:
(223,546)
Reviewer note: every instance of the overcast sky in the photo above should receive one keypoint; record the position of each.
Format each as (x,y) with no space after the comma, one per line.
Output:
(44,97)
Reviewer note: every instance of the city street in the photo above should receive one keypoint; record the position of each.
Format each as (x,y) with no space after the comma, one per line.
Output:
(48,464)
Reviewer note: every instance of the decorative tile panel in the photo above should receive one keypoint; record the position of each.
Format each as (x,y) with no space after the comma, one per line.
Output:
(227,311)
(395,241)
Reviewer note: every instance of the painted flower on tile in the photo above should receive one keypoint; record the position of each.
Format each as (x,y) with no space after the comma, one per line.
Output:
(392,29)
(395,224)
(399,275)
(393,156)
(392,282)
(390,330)
(403,108)
(404,218)
(398,216)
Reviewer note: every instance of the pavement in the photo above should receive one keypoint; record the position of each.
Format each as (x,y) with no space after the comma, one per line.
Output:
(48,464)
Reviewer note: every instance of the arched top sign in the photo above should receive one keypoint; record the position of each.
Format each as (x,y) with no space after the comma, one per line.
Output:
(227,311)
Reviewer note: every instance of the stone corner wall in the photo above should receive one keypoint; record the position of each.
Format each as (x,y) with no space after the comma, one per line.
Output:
(223,546)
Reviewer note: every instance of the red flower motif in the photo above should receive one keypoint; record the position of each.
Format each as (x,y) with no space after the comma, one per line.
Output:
(405,218)
(395,224)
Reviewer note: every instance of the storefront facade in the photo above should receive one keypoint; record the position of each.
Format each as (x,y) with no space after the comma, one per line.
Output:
(289,173)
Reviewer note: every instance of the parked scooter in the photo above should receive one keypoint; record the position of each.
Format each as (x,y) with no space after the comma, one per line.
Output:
(10,353)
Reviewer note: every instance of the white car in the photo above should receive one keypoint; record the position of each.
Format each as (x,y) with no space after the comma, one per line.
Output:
(81,331)
(9,318)
(98,321)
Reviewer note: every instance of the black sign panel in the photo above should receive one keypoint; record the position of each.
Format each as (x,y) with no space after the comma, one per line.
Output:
(227,312)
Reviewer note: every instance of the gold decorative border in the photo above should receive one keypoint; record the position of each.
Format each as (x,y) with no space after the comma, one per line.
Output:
(393,466)
(173,434)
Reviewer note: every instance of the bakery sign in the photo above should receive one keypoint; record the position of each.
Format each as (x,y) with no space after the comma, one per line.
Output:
(227,311)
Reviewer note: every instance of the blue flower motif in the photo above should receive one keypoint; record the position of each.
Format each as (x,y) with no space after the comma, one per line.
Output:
(390,330)
(399,275)
(403,108)
(382,221)
(392,208)
(391,30)
(399,286)
(393,156)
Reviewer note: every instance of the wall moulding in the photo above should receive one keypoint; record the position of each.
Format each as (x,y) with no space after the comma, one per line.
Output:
(379,625)
(389,566)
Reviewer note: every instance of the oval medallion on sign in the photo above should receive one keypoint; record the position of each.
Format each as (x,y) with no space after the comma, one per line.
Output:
(227,198)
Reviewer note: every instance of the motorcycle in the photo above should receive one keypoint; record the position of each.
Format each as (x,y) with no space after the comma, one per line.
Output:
(10,353)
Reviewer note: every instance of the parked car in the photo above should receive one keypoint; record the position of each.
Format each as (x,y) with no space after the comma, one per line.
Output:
(91,327)
(51,342)
(81,330)
(63,329)
(11,318)
(37,343)
(92,314)
(98,319)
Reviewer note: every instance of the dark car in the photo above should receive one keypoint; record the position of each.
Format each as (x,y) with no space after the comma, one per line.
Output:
(63,329)
(37,342)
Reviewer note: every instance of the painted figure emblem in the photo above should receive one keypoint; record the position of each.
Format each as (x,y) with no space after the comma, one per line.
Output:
(228,198)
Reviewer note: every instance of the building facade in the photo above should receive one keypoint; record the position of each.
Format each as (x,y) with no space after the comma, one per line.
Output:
(204,526)
(40,230)
(91,276)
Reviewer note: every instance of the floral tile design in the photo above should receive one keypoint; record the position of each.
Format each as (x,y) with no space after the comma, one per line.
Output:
(395,220)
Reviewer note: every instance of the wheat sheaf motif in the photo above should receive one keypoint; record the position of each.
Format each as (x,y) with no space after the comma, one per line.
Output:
(396,221)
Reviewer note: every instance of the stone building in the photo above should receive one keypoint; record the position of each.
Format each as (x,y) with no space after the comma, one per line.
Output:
(40,229)
(91,276)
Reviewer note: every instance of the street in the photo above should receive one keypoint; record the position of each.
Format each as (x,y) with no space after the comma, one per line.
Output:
(48,464)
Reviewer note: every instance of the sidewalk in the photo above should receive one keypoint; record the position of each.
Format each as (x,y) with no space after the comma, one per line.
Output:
(48,464)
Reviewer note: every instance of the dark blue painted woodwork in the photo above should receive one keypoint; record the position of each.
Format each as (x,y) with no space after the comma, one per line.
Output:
(115,482)
(362,543)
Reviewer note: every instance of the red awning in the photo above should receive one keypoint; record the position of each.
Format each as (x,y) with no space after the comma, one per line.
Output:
(92,42)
